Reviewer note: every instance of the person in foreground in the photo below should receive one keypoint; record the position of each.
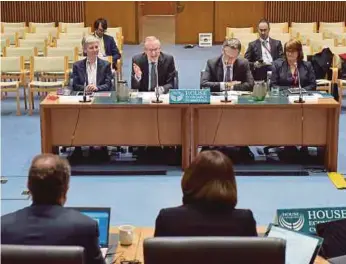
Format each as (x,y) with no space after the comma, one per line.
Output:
(46,221)
(228,70)
(153,68)
(291,70)
(262,52)
(209,201)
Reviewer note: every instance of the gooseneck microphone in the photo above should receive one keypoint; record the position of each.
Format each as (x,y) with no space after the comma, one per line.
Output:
(300,99)
(157,92)
(85,99)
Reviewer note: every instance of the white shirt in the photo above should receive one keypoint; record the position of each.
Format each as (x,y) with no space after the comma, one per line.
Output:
(266,55)
(91,72)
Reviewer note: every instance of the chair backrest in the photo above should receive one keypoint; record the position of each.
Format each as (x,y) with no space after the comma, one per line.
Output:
(12,64)
(312,26)
(245,36)
(206,250)
(70,52)
(13,24)
(305,37)
(113,31)
(283,37)
(339,39)
(20,30)
(19,254)
(26,52)
(53,31)
(306,51)
(33,25)
(279,27)
(85,30)
(318,45)
(76,35)
(49,64)
(324,25)
(63,26)
(5,42)
(107,58)
(230,31)
(12,36)
(69,43)
(42,36)
(40,44)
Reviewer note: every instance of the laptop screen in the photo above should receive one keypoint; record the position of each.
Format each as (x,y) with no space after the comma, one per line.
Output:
(300,248)
(102,217)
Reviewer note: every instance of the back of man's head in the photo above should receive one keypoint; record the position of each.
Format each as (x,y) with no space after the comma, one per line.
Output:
(49,177)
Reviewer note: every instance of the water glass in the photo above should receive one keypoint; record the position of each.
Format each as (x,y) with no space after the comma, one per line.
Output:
(275,91)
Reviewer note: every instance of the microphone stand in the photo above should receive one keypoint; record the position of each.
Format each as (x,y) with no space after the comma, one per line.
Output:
(85,99)
(157,92)
(300,99)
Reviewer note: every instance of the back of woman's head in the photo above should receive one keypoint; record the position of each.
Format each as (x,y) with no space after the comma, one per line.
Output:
(210,179)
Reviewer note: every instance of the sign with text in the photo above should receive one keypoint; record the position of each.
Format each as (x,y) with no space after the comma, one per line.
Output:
(205,39)
(189,96)
(305,219)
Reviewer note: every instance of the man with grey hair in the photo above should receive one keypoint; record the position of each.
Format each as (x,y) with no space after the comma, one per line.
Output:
(153,68)
(94,72)
(228,70)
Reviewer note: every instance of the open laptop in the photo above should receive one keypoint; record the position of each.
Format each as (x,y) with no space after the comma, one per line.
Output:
(102,216)
(300,248)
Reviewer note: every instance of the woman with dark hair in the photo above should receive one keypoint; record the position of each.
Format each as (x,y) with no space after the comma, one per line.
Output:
(209,201)
(291,70)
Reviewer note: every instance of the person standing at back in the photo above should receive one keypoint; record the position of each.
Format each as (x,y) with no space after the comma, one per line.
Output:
(209,201)
(46,221)
(262,52)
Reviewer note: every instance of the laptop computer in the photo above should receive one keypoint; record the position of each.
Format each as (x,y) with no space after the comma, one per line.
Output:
(300,248)
(102,216)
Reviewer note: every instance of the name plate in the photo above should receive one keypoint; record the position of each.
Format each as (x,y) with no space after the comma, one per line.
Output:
(189,96)
(305,219)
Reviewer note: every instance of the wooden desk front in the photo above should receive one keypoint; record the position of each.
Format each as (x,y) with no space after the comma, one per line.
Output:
(135,251)
(310,124)
(78,124)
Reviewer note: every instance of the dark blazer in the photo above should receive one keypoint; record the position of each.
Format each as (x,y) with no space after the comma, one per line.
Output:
(213,75)
(254,50)
(282,76)
(197,220)
(103,75)
(111,49)
(52,225)
(165,68)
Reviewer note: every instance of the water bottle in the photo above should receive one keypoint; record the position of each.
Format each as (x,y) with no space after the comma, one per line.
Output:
(269,76)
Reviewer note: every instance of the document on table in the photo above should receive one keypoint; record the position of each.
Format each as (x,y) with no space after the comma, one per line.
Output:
(307,98)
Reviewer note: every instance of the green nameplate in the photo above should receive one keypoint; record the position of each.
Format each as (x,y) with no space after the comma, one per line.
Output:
(305,219)
(189,96)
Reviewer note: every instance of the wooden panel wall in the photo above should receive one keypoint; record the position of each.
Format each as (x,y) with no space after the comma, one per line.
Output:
(303,11)
(196,17)
(118,14)
(49,11)
(236,14)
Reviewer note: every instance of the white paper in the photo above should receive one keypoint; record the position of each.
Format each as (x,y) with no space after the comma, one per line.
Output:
(307,98)
(217,98)
(74,99)
(147,97)
(299,247)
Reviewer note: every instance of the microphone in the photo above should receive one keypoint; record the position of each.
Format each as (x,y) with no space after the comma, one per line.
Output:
(300,99)
(157,92)
(226,100)
(85,100)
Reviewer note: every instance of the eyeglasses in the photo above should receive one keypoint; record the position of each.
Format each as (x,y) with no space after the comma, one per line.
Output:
(153,50)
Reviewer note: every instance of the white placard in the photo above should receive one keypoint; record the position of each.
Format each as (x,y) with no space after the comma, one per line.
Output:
(205,39)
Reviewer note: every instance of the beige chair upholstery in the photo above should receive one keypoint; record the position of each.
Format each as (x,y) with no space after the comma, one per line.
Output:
(20,30)
(46,68)
(34,25)
(305,26)
(85,30)
(5,42)
(12,36)
(307,37)
(283,37)
(12,68)
(279,27)
(4,25)
(40,44)
(230,31)
(26,52)
(245,36)
(43,36)
(329,32)
(339,39)
(70,43)
(77,35)
(318,45)
(70,52)
(307,51)
(52,31)
(64,26)
(325,25)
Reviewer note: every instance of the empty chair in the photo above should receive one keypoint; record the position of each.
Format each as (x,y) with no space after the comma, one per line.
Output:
(279,27)
(40,44)
(52,31)
(46,68)
(330,25)
(85,30)
(76,35)
(307,51)
(339,39)
(5,42)
(33,25)
(70,43)
(63,26)
(283,37)
(206,250)
(20,30)
(18,254)
(318,45)
(70,52)
(312,26)
(12,69)
(230,31)
(12,24)
(307,37)
(43,36)
(12,36)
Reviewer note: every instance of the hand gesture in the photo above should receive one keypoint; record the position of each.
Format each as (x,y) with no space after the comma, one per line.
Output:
(137,71)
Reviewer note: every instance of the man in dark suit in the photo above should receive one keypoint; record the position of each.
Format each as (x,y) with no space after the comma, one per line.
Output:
(153,68)
(263,51)
(108,47)
(228,69)
(46,221)
(96,74)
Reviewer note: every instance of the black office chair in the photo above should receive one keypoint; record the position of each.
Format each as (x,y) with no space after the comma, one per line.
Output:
(206,250)
(19,254)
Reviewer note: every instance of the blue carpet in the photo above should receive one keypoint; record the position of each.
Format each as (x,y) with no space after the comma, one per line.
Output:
(137,200)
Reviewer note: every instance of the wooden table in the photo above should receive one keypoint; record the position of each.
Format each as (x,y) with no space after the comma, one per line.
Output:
(309,124)
(65,122)
(135,251)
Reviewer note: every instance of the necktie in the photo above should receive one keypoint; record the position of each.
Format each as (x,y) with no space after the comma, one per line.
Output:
(153,77)
(229,73)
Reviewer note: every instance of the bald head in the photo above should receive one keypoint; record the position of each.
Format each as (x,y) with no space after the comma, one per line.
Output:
(49,177)
(152,48)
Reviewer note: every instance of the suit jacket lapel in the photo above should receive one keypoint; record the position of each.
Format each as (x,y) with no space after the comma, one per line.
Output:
(84,71)
(160,64)
(259,48)
(98,71)
(272,48)
(219,70)
(145,70)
